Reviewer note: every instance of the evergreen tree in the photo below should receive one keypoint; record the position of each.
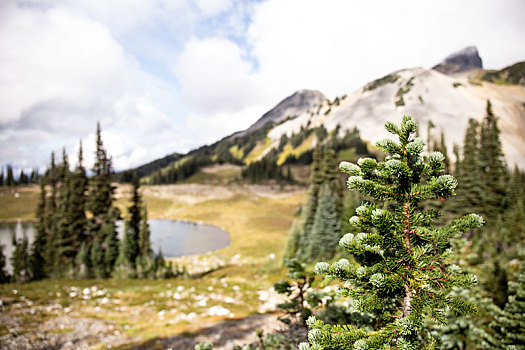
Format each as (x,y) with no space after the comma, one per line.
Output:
(10,180)
(326,231)
(316,179)
(50,223)
(430,126)
(33,178)
(470,190)
(457,164)
(101,193)
(507,331)
(20,259)
(441,147)
(134,219)
(51,203)
(159,265)
(97,260)
(297,291)
(493,164)
(404,275)
(64,241)
(41,237)
(102,209)
(293,241)
(77,209)
(144,238)
(111,245)
(123,267)
(331,177)
(4,276)
(23,179)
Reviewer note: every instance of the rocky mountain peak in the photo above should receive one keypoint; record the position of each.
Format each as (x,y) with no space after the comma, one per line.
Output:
(295,104)
(460,61)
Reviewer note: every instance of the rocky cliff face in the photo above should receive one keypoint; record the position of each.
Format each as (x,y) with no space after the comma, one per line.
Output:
(460,61)
(293,105)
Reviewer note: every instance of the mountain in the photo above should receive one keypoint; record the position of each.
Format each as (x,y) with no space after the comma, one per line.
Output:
(464,60)
(514,74)
(445,100)
(293,105)
(429,96)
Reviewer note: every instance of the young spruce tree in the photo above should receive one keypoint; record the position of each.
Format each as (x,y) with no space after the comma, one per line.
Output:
(405,274)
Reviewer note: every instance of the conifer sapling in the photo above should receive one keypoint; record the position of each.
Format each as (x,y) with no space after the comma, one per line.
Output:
(405,273)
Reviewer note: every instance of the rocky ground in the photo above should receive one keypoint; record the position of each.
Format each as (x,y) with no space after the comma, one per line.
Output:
(54,326)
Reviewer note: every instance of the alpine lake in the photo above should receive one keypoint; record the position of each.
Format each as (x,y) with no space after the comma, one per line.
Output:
(173,238)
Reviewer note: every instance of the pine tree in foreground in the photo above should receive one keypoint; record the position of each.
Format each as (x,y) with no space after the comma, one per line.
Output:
(405,274)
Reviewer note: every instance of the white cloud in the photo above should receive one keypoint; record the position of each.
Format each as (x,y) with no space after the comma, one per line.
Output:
(213,7)
(215,77)
(165,76)
(60,72)
(339,45)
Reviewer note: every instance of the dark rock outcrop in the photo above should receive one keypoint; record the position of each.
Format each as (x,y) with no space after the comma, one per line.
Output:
(460,61)
(295,104)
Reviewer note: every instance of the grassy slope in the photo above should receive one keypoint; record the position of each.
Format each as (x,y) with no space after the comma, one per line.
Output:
(18,203)
(257,150)
(257,224)
(303,147)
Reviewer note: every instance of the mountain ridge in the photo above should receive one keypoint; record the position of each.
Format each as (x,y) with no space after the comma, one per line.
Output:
(430,96)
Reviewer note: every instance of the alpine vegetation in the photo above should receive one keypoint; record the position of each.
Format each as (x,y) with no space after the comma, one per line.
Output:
(404,274)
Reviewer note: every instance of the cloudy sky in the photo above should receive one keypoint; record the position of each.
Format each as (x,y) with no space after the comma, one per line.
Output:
(166,76)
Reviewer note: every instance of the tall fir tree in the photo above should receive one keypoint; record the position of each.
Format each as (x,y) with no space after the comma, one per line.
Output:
(316,179)
(20,259)
(78,188)
(41,236)
(331,177)
(33,178)
(64,240)
(134,218)
(96,257)
(102,190)
(326,231)
(308,215)
(100,199)
(10,179)
(50,222)
(22,178)
(405,274)
(111,246)
(123,267)
(470,189)
(144,237)
(493,165)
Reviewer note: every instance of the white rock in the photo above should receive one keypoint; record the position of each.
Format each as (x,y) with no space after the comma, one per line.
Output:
(218,310)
